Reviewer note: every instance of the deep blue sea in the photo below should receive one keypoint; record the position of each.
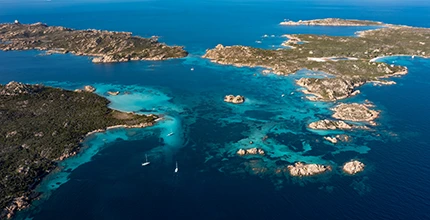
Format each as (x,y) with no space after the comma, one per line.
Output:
(106,180)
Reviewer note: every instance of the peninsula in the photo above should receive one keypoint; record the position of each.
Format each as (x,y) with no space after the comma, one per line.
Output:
(42,125)
(104,46)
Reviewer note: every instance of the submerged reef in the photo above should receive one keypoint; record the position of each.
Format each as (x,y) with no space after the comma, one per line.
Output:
(42,125)
(105,46)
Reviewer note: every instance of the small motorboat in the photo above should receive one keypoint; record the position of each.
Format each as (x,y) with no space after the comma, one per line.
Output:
(147,162)
(176,169)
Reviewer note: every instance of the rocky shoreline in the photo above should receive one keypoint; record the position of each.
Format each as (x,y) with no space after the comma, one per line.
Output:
(104,46)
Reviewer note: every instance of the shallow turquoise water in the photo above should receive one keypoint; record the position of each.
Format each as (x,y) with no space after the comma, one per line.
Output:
(106,181)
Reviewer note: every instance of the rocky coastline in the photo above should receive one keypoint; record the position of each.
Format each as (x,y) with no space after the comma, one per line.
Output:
(104,46)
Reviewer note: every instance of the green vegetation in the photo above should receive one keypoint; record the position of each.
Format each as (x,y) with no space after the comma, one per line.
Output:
(40,125)
(113,46)
(316,53)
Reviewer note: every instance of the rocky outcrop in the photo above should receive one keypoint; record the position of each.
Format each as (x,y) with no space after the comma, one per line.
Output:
(331,139)
(338,138)
(353,167)
(105,46)
(113,93)
(343,138)
(331,22)
(17,204)
(327,124)
(292,40)
(234,99)
(89,88)
(301,169)
(16,88)
(251,151)
(354,112)
(329,89)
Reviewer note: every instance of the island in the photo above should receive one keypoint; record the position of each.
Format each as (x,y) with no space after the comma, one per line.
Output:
(42,125)
(327,124)
(302,169)
(353,167)
(104,46)
(354,112)
(349,62)
(332,22)
(234,99)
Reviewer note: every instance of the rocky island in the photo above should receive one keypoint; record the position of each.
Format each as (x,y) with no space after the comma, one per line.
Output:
(353,167)
(104,46)
(327,124)
(41,125)
(234,99)
(332,22)
(354,112)
(346,112)
(301,169)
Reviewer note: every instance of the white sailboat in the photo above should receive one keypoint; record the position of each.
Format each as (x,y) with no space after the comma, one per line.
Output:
(170,134)
(147,162)
(176,169)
